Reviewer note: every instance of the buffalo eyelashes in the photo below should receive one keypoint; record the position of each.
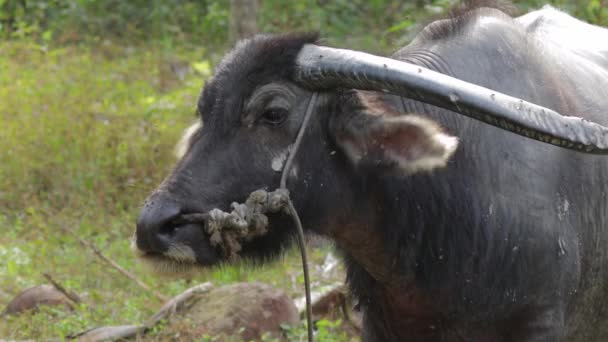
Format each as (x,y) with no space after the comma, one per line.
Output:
(274,116)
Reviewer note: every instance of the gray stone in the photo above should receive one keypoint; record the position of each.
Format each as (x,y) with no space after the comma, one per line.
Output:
(34,297)
(247,310)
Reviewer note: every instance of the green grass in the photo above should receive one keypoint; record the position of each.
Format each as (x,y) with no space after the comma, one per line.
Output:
(85,135)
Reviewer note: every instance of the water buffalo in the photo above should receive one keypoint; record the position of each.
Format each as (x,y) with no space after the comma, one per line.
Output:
(489,236)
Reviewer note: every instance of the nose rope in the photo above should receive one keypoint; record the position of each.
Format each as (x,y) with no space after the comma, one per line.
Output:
(248,220)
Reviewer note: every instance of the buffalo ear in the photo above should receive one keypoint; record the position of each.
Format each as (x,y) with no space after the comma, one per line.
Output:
(186,140)
(404,143)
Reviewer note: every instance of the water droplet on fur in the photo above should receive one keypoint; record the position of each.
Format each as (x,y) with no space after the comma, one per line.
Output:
(561,243)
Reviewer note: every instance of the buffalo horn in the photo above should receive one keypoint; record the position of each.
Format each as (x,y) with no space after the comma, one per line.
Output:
(321,67)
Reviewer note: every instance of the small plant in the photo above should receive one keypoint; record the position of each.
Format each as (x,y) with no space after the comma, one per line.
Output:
(325,331)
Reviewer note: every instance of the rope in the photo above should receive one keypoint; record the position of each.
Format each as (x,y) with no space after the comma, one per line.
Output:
(294,213)
(227,230)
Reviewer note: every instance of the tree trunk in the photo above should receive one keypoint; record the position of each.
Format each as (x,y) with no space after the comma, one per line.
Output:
(243,19)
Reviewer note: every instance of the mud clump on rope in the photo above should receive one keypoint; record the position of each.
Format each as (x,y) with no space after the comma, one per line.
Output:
(227,230)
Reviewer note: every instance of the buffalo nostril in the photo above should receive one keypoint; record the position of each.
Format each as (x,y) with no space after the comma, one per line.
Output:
(154,225)
(169,229)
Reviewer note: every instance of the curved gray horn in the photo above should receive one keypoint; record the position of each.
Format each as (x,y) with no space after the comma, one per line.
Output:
(323,67)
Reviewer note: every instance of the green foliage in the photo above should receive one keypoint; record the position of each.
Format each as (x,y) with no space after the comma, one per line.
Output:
(377,25)
(592,11)
(325,331)
(354,23)
(77,124)
(134,20)
(85,136)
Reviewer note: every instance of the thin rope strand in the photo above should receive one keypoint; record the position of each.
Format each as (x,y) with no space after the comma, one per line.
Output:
(294,214)
(296,144)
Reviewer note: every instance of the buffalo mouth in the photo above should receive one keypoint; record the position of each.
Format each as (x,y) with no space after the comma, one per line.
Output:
(204,239)
(186,249)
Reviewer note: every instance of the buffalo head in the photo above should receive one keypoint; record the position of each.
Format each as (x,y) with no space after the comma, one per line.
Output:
(251,111)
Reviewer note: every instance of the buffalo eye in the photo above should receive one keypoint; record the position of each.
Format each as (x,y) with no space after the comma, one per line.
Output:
(274,116)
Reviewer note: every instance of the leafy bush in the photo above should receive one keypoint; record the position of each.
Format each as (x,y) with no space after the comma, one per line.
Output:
(376,25)
(134,20)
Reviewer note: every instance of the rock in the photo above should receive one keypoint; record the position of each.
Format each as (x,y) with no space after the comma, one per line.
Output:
(174,306)
(244,311)
(114,333)
(34,297)
(247,310)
